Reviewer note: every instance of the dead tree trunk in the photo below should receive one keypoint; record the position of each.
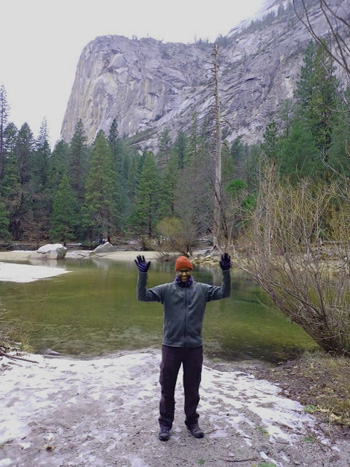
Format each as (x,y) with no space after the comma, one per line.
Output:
(217,155)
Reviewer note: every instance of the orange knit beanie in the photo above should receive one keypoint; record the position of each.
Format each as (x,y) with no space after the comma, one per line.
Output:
(183,263)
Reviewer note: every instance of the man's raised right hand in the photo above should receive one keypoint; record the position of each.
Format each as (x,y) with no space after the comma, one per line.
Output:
(142,264)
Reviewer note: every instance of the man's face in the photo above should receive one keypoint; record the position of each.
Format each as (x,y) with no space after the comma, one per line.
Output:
(184,274)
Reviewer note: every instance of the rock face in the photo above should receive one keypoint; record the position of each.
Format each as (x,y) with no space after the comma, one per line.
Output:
(150,86)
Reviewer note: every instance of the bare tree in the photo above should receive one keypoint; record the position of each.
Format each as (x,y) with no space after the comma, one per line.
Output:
(217,154)
(336,14)
(286,253)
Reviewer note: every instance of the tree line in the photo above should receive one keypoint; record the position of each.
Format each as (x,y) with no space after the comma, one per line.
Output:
(111,189)
(281,201)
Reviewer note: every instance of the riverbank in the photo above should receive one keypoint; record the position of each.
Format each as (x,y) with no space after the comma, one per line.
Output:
(103,412)
(32,256)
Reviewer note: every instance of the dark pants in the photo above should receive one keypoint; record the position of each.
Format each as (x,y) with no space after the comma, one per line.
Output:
(192,360)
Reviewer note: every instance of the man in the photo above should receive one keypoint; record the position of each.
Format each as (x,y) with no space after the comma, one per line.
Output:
(184,302)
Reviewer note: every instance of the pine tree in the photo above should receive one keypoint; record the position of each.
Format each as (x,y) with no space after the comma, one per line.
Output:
(64,214)
(180,148)
(145,215)
(269,145)
(58,164)
(239,156)
(305,82)
(4,222)
(39,182)
(298,154)
(78,162)
(24,151)
(193,144)
(164,149)
(130,176)
(323,103)
(167,191)
(40,160)
(316,93)
(116,146)
(10,172)
(99,211)
(21,212)
(4,112)
(339,149)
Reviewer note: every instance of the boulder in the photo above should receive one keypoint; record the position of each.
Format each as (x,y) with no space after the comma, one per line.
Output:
(105,248)
(53,251)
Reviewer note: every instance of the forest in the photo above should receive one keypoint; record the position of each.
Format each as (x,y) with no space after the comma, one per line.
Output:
(112,190)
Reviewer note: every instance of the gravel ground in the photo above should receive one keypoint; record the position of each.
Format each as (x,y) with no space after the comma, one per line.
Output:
(103,412)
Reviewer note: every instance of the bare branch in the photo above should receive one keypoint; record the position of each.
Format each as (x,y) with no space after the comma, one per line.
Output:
(341,52)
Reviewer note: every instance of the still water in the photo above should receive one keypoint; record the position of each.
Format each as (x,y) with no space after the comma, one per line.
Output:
(93,311)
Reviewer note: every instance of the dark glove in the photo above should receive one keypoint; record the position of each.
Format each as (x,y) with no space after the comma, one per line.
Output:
(225,262)
(142,264)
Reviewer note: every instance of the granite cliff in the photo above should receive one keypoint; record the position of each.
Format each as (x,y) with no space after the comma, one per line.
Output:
(149,86)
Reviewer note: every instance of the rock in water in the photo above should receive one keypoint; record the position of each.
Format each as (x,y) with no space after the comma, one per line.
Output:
(53,251)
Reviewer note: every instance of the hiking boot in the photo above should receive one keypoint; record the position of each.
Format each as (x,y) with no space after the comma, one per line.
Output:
(164,434)
(196,431)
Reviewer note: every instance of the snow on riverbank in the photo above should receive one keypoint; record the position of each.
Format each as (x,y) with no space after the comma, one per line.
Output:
(103,412)
(12,272)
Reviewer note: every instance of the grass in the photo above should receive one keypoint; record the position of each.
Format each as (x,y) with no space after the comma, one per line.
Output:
(320,382)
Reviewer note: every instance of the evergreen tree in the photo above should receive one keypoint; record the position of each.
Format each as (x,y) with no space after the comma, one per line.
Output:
(130,176)
(4,222)
(145,215)
(64,215)
(240,158)
(10,186)
(317,93)
(78,162)
(99,211)
(286,115)
(4,112)
(180,148)
(269,145)
(40,162)
(116,146)
(193,144)
(164,149)
(24,151)
(339,149)
(304,88)
(307,138)
(39,182)
(58,164)
(167,191)
(298,155)
(21,212)
(10,161)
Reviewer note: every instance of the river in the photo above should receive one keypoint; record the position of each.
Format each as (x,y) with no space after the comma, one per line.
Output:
(93,311)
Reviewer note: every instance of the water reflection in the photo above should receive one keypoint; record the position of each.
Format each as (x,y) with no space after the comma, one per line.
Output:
(93,311)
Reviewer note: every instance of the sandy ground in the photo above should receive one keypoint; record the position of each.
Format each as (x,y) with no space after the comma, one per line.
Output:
(12,270)
(103,412)
(33,257)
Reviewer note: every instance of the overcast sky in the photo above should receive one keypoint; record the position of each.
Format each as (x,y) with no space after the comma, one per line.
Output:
(41,42)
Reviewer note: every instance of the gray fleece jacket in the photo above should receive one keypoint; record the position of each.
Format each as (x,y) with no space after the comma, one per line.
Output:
(183,307)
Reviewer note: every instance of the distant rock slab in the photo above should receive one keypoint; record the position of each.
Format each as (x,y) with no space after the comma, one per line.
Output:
(105,248)
(53,251)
